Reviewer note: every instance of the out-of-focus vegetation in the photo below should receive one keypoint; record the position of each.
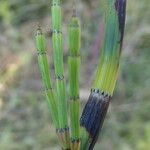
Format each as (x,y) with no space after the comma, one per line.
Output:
(24,118)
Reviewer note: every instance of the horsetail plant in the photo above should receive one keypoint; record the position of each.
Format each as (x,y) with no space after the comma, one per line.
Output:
(63,130)
(44,70)
(83,132)
(103,86)
(74,67)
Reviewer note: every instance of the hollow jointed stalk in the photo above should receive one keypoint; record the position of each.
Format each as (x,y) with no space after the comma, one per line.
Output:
(63,129)
(74,69)
(103,86)
(44,70)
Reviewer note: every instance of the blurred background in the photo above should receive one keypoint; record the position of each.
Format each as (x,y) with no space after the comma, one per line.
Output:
(25,122)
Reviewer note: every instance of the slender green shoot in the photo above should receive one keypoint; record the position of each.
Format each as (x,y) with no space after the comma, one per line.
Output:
(44,70)
(74,69)
(63,130)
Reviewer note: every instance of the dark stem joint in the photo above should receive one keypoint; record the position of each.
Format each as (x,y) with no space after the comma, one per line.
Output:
(75,140)
(74,98)
(104,94)
(60,77)
(57,31)
(39,33)
(47,89)
(41,53)
(55,4)
(62,130)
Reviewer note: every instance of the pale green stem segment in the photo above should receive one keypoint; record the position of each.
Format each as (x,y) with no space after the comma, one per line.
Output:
(63,130)
(74,70)
(44,70)
(58,63)
(107,70)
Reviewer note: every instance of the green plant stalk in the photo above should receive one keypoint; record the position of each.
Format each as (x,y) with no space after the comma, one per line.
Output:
(103,86)
(63,130)
(74,69)
(44,70)
(111,55)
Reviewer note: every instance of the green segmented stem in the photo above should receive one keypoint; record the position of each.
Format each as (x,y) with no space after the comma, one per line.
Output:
(63,132)
(58,63)
(94,113)
(74,69)
(44,70)
(108,67)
